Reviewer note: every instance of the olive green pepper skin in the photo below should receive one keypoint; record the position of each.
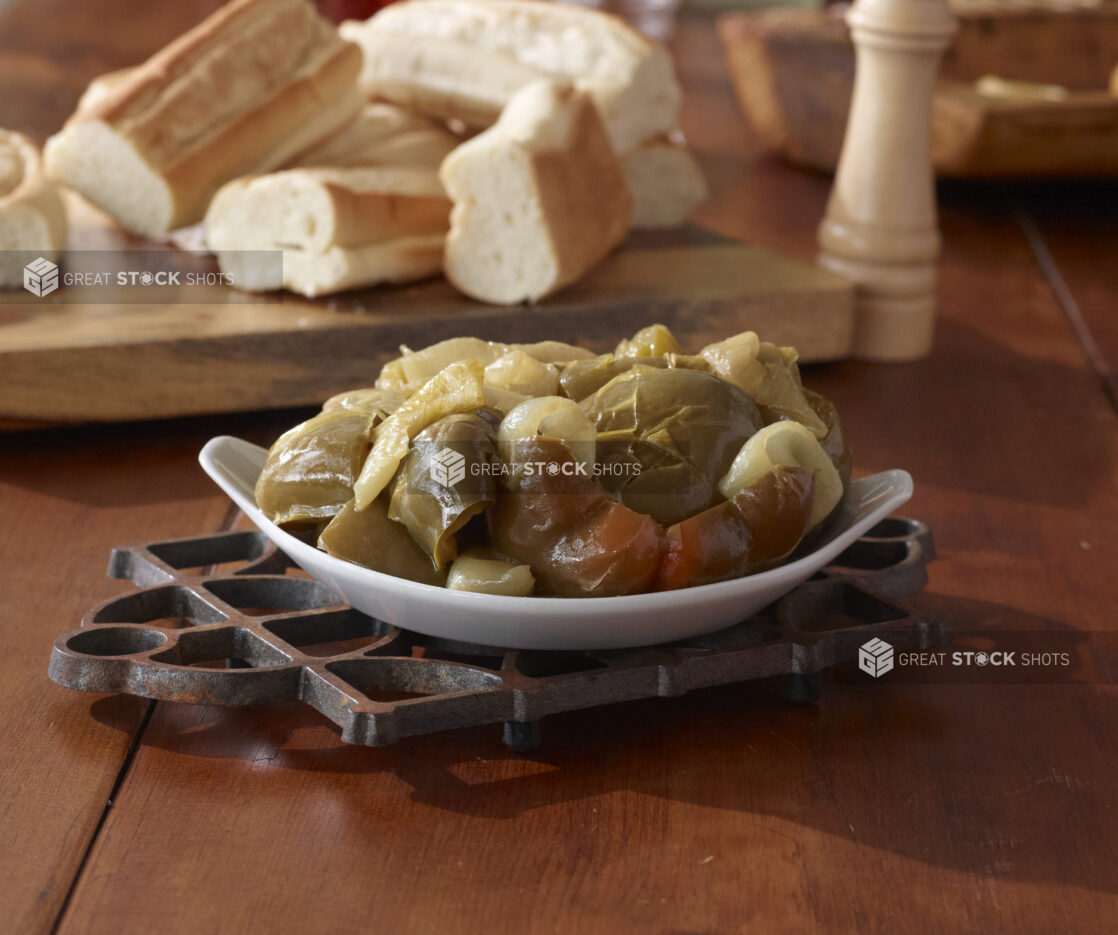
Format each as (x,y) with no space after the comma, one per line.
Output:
(578,542)
(310,470)
(681,427)
(755,530)
(781,393)
(371,539)
(834,442)
(432,511)
(582,378)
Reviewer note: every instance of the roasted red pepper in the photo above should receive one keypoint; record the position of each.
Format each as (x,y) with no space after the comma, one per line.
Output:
(753,531)
(578,542)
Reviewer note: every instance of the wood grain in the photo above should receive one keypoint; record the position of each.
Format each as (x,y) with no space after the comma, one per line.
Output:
(882,809)
(134,361)
(73,496)
(1076,240)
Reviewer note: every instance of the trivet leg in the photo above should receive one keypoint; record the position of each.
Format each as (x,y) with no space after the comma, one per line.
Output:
(800,688)
(522,736)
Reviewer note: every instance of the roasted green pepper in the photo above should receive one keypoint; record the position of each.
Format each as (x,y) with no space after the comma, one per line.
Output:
(578,542)
(834,442)
(311,468)
(666,437)
(581,378)
(371,539)
(428,498)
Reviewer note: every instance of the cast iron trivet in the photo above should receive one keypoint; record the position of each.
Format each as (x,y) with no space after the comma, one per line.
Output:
(257,631)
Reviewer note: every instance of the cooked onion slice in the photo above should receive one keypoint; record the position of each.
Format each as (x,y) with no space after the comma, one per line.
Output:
(519,372)
(457,388)
(787,445)
(652,341)
(768,374)
(418,366)
(552,417)
(476,570)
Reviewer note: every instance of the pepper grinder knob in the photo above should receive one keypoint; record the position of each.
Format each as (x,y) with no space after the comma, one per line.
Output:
(880,228)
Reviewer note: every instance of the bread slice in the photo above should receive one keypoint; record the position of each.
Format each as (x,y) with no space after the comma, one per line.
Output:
(539,197)
(379,135)
(337,269)
(337,228)
(255,84)
(32,217)
(465,59)
(666,182)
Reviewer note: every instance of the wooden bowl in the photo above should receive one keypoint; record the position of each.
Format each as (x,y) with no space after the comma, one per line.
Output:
(793,71)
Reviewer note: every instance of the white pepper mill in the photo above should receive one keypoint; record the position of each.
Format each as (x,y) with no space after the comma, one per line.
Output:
(880,228)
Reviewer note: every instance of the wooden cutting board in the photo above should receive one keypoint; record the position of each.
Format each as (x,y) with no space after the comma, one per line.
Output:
(65,363)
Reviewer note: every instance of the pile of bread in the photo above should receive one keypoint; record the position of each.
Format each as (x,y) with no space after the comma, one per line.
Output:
(508,143)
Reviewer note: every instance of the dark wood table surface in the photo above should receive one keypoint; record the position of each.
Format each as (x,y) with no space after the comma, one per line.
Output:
(883,808)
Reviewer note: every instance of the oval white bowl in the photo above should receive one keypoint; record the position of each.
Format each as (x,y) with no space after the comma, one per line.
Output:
(552,622)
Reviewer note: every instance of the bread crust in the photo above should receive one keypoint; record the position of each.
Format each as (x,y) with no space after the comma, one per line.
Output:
(583,193)
(327,208)
(370,217)
(466,58)
(297,116)
(338,228)
(244,91)
(563,206)
(381,134)
(405,259)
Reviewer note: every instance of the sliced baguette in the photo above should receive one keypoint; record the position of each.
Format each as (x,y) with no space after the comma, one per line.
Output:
(379,135)
(245,91)
(405,259)
(666,182)
(465,59)
(337,228)
(32,217)
(539,197)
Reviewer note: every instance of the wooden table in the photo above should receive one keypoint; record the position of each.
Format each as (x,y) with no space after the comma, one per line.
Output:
(884,808)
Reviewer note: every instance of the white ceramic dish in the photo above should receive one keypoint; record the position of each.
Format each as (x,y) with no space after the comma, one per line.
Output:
(551,622)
